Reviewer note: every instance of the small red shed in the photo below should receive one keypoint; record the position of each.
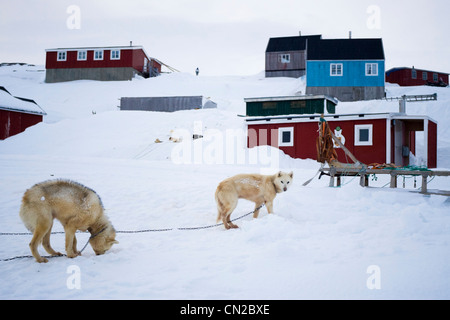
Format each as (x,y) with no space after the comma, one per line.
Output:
(372,138)
(17,114)
(416,77)
(99,63)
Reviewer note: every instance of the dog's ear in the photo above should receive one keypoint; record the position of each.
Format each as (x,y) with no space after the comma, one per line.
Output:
(279,174)
(291,174)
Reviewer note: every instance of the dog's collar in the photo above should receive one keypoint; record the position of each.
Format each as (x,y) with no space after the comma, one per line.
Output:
(97,233)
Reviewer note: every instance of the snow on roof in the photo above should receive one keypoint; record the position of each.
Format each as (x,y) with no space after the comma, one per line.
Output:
(97,48)
(9,102)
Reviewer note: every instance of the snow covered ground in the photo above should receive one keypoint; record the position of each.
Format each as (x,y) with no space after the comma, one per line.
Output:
(321,243)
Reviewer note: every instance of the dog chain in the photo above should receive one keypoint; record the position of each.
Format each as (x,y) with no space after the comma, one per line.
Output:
(61,255)
(191,228)
(123,231)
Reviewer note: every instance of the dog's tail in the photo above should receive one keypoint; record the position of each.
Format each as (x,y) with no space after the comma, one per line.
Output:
(219,206)
(28,219)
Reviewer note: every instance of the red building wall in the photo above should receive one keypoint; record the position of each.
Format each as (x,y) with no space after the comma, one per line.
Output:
(138,58)
(403,77)
(156,65)
(128,58)
(12,122)
(432,145)
(305,137)
(376,153)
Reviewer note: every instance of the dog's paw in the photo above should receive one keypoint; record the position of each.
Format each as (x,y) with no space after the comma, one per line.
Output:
(42,260)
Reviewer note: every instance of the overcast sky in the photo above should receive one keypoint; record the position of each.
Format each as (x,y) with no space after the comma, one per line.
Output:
(224,37)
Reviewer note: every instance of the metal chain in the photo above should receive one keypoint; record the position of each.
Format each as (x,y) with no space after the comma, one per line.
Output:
(123,231)
(62,255)
(190,228)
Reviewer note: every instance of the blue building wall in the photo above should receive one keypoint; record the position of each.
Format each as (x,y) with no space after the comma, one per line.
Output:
(353,75)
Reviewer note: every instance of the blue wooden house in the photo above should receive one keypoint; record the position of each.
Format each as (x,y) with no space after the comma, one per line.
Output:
(348,69)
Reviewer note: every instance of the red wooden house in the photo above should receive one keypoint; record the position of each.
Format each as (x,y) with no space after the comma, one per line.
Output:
(99,63)
(372,138)
(416,77)
(17,114)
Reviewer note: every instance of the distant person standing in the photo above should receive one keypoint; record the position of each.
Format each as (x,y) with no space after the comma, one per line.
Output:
(197,71)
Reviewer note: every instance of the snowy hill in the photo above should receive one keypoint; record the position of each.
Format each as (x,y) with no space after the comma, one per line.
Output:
(319,244)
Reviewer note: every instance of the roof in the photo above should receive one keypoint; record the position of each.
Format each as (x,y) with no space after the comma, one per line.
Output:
(166,104)
(291,98)
(11,103)
(296,43)
(334,117)
(346,49)
(407,68)
(97,48)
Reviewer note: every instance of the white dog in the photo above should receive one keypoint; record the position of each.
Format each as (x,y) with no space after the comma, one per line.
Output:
(258,188)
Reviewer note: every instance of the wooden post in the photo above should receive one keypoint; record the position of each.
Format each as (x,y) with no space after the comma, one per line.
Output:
(424,184)
(393,180)
(332,173)
(364,180)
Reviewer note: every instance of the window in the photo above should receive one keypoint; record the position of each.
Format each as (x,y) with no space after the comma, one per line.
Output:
(371,69)
(363,135)
(424,75)
(61,56)
(82,55)
(286,137)
(413,74)
(115,54)
(98,55)
(435,77)
(336,69)
(269,105)
(284,58)
(298,104)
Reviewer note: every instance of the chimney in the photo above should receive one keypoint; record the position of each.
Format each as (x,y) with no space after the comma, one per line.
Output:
(349,34)
(131,43)
(299,33)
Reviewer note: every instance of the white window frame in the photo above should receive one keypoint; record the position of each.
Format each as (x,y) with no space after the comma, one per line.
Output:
(413,74)
(435,77)
(83,56)
(100,52)
(113,55)
(61,56)
(336,66)
(424,75)
(371,69)
(284,57)
(358,141)
(280,137)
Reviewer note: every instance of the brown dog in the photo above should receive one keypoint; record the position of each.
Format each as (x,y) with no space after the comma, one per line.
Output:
(77,208)
(254,187)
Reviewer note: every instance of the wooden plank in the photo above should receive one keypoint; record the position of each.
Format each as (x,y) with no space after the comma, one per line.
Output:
(364,173)
(431,173)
